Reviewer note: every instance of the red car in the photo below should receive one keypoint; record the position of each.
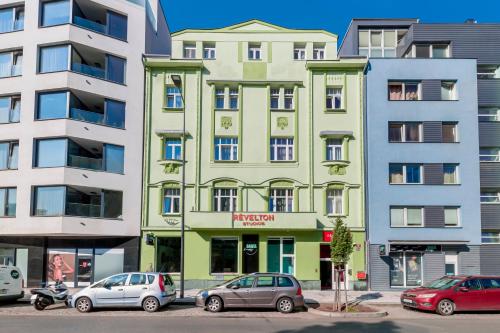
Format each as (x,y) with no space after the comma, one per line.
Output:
(455,293)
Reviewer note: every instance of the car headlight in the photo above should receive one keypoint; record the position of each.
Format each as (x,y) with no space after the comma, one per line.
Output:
(426,295)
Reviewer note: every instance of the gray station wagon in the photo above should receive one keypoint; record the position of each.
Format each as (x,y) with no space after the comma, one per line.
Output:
(257,290)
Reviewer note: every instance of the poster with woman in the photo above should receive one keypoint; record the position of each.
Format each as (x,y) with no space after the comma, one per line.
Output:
(61,266)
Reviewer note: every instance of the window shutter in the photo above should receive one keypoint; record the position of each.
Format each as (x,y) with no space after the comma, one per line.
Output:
(433,174)
(433,131)
(434,217)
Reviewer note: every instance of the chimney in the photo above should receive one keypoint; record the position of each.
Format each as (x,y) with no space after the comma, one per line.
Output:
(470,21)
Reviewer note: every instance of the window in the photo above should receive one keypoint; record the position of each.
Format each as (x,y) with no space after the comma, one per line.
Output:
(448,91)
(49,201)
(281,255)
(244,283)
(54,59)
(490,283)
(226,149)
(116,25)
(114,158)
(224,255)
(174,98)
(282,149)
(450,173)
(208,50)
(422,51)
(11,63)
(266,282)
(319,51)
(8,202)
(334,202)
(51,153)
(488,72)
(407,216)
(254,52)
(406,269)
(171,200)
(405,173)
(428,51)
(449,132)
(9,155)
(173,148)
(137,280)
(10,109)
(490,196)
(115,69)
(219,98)
(405,132)
(281,200)
(289,99)
(492,237)
(440,51)
(451,216)
(379,43)
(225,199)
(334,150)
(472,284)
(52,105)
(404,91)
(11,19)
(489,114)
(284,282)
(233,98)
(299,52)
(116,281)
(189,50)
(168,254)
(489,154)
(55,12)
(275,98)
(334,98)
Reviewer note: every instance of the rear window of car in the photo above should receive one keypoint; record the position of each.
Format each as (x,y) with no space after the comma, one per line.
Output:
(167,280)
(284,282)
(490,283)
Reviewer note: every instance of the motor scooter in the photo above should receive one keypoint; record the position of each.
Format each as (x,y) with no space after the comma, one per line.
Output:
(51,294)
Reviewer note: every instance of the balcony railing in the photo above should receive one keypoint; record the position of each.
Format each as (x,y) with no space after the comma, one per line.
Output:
(488,117)
(85,115)
(490,198)
(89,70)
(489,158)
(79,209)
(85,162)
(88,24)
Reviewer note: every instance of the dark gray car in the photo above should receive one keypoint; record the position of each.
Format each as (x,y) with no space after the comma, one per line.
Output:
(257,290)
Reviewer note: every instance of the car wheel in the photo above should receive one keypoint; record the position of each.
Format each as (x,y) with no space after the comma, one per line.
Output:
(285,305)
(445,307)
(150,304)
(214,304)
(83,304)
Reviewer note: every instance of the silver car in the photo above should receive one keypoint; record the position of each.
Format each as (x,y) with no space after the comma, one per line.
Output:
(257,290)
(150,291)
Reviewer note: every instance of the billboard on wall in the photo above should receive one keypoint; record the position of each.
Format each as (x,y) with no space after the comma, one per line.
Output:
(61,265)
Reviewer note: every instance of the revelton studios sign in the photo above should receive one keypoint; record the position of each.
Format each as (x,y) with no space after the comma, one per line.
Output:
(253,220)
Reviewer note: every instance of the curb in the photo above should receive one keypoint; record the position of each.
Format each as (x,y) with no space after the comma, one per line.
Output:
(347,314)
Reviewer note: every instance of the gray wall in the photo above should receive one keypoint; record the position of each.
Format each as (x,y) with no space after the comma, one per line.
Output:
(489,259)
(489,91)
(490,216)
(490,174)
(159,41)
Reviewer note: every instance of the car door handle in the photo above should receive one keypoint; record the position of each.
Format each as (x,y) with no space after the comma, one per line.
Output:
(121,289)
(273,290)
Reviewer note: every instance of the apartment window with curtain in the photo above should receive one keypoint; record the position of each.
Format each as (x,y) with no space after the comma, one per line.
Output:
(49,201)
(9,155)
(11,63)
(334,98)
(407,216)
(334,202)
(450,173)
(334,150)
(281,200)
(226,149)
(8,201)
(451,216)
(189,50)
(55,13)
(171,200)
(173,148)
(174,98)
(404,91)
(209,51)
(318,51)
(282,149)
(11,19)
(299,52)
(224,199)
(448,91)
(54,59)
(10,109)
(405,173)
(405,132)
(449,132)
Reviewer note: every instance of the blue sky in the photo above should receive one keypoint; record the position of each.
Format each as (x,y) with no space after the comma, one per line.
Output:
(331,15)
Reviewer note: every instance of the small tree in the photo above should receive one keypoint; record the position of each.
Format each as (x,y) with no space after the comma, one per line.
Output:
(341,249)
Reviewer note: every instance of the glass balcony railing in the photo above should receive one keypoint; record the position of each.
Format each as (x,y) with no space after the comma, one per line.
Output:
(89,70)
(18,25)
(85,115)
(85,162)
(88,24)
(79,209)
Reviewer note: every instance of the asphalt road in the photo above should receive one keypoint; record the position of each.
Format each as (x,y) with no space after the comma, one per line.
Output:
(93,324)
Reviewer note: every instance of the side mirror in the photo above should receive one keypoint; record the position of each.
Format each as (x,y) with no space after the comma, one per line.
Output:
(236,286)
(463,289)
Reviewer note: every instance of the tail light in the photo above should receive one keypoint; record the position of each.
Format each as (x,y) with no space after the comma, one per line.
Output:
(161,283)
(299,291)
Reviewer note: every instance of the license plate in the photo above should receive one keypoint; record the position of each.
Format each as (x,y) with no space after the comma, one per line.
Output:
(407,301)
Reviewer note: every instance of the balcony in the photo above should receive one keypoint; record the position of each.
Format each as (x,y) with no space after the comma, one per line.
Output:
(92,16)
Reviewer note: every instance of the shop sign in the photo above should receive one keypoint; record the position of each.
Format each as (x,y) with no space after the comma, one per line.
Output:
(327,236)
(253,220)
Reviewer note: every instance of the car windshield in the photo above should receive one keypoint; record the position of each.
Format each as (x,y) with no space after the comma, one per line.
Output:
(443,283)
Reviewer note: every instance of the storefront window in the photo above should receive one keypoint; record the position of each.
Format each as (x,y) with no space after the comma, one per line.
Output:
(281,255)
(7,257)
(108,262)
(224,255)
(61,266)
(406,269)
(168,254)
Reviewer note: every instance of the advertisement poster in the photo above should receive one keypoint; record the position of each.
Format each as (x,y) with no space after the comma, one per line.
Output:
(413,270)
(61,266)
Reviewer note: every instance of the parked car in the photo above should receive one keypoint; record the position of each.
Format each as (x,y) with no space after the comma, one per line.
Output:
(258,290)
(150,291)
(11,283)
(455,293)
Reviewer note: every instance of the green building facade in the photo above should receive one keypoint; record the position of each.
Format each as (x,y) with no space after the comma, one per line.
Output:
(273,154)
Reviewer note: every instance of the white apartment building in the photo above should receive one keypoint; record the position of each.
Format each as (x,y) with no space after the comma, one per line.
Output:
(71,134)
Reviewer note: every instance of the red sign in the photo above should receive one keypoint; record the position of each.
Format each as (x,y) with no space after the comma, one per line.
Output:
(327,236)
(253,220)
(361,275)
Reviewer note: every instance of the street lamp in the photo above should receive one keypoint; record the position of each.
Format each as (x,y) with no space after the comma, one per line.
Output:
(176,79)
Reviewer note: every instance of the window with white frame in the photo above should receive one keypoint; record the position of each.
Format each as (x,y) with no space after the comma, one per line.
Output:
(275,98)
(171,200)
(282,149)
(174,98)
(451,216)
(487,114)
(405,132)
(318,51)
(208,50)
(407,216)
(173,147)
(428,51)
(226,149)
(299,52)
(450,173)
(379,43)
(490,196)
(219,98)
(281,255)
(189,50)
(404,91)
(254,51)
(289,99)
(225,199)
(334,202)
(334,98)
(233,98)
(405,173)
(448,91)
(281,200)
(334,150)
(490,237)
(490,154)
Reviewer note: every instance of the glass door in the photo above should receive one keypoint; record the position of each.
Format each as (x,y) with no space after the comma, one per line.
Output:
(451,263)
(84,267)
